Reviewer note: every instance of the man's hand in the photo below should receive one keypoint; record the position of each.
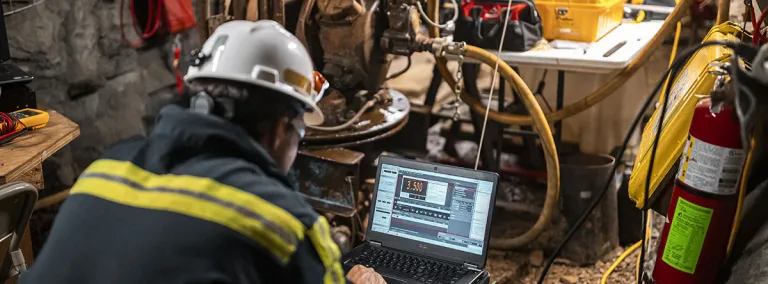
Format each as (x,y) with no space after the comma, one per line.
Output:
(364,275)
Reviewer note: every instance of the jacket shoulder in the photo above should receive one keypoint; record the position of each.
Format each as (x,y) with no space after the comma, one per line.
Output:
(250,178)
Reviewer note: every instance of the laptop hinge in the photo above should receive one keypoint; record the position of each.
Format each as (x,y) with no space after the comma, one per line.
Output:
(470,266)
(375,243)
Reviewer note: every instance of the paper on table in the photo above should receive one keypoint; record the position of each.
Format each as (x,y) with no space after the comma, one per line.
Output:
(567,44)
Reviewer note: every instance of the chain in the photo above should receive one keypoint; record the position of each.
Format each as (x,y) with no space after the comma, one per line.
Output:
(459,84)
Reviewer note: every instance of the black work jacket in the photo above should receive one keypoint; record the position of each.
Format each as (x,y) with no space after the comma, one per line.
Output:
(198,201)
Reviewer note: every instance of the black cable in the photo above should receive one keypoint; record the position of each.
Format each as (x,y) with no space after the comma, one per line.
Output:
(11,137)
(654,146)
(674,70)
(540,90)
(401,72)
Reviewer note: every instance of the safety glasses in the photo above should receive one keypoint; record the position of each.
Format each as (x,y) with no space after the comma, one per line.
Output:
(299,126)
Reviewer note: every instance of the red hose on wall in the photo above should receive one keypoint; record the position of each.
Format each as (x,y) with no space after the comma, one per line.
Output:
(154,21)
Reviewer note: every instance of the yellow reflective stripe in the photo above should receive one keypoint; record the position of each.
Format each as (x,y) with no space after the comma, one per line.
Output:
(207,186)
(203,198)
(329,253)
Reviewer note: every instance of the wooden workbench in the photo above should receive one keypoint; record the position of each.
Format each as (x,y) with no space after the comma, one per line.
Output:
(22,160)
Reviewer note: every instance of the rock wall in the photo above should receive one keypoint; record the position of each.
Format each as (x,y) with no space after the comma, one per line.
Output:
(84,70)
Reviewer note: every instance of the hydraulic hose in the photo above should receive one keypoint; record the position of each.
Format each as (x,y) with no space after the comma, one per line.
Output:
(577,107)
(340,127)
(618,261)
(742,193)
(547,142)
(723,11)
(545,135)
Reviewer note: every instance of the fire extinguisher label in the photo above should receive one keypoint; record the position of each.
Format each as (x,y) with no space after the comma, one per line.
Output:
(686,235)
(710,168)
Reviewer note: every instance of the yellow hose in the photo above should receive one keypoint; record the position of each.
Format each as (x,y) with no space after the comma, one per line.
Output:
(742,193)
(586,102)
(547,142)
(545,135)
(723,11)
(646,238)
(676,41)
(618,261)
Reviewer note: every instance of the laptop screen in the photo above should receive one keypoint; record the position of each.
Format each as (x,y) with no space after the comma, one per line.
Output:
(434,208)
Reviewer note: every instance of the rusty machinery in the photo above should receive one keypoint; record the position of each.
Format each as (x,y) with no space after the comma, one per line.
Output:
(351,43)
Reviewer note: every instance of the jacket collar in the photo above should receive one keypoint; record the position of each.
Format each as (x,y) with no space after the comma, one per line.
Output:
(211,135)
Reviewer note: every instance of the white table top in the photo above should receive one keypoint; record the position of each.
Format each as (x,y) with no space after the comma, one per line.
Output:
(637,37)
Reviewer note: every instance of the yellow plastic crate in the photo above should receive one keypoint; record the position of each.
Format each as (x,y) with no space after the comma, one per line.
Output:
(579,20)
(693,80)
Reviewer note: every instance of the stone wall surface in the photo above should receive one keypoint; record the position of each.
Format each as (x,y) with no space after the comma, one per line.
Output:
(84,70)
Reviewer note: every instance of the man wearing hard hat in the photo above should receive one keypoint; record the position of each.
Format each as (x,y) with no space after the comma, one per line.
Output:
(204,198)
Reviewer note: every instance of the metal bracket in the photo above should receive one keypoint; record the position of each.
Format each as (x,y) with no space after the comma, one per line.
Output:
(722,90)
(329,179)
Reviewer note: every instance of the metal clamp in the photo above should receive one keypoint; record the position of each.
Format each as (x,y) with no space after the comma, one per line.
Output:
(721,91)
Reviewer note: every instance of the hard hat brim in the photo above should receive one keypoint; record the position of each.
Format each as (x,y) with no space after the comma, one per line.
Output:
(313,116)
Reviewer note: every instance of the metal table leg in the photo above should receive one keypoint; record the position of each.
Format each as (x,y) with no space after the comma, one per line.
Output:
(434,85)
(500,141)
(559,105)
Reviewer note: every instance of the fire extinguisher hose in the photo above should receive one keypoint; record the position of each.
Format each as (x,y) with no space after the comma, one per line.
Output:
(577,107)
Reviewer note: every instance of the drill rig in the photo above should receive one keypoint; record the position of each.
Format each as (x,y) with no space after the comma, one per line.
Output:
(352,44)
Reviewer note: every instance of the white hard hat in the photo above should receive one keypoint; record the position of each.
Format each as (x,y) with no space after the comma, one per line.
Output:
(260,53)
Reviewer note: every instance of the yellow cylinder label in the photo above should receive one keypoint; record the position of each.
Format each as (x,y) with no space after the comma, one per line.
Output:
(686,235)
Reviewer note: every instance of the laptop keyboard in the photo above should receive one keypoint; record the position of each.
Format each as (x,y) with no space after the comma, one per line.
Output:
(408,266)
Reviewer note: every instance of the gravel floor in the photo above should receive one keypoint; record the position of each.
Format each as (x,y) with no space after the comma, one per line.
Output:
(517,267)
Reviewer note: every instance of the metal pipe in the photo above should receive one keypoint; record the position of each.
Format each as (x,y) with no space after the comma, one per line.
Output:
(651,8)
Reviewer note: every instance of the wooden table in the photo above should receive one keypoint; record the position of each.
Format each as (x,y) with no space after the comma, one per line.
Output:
(22,160)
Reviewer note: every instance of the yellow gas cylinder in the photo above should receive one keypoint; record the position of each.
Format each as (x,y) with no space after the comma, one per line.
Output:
(694,80)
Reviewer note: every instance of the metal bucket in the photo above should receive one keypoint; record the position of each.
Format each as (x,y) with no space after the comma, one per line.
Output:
(582,177)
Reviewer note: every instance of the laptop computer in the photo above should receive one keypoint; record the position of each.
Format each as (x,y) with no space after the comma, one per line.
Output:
(429,223)
(9,73)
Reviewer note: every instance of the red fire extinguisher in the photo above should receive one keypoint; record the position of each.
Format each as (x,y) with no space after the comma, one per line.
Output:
(704,199)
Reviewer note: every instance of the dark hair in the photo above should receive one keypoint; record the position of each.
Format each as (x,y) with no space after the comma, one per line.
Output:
(256,109)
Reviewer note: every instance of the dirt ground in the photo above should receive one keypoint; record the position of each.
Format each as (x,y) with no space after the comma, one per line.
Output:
(524,265)
(519,267)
